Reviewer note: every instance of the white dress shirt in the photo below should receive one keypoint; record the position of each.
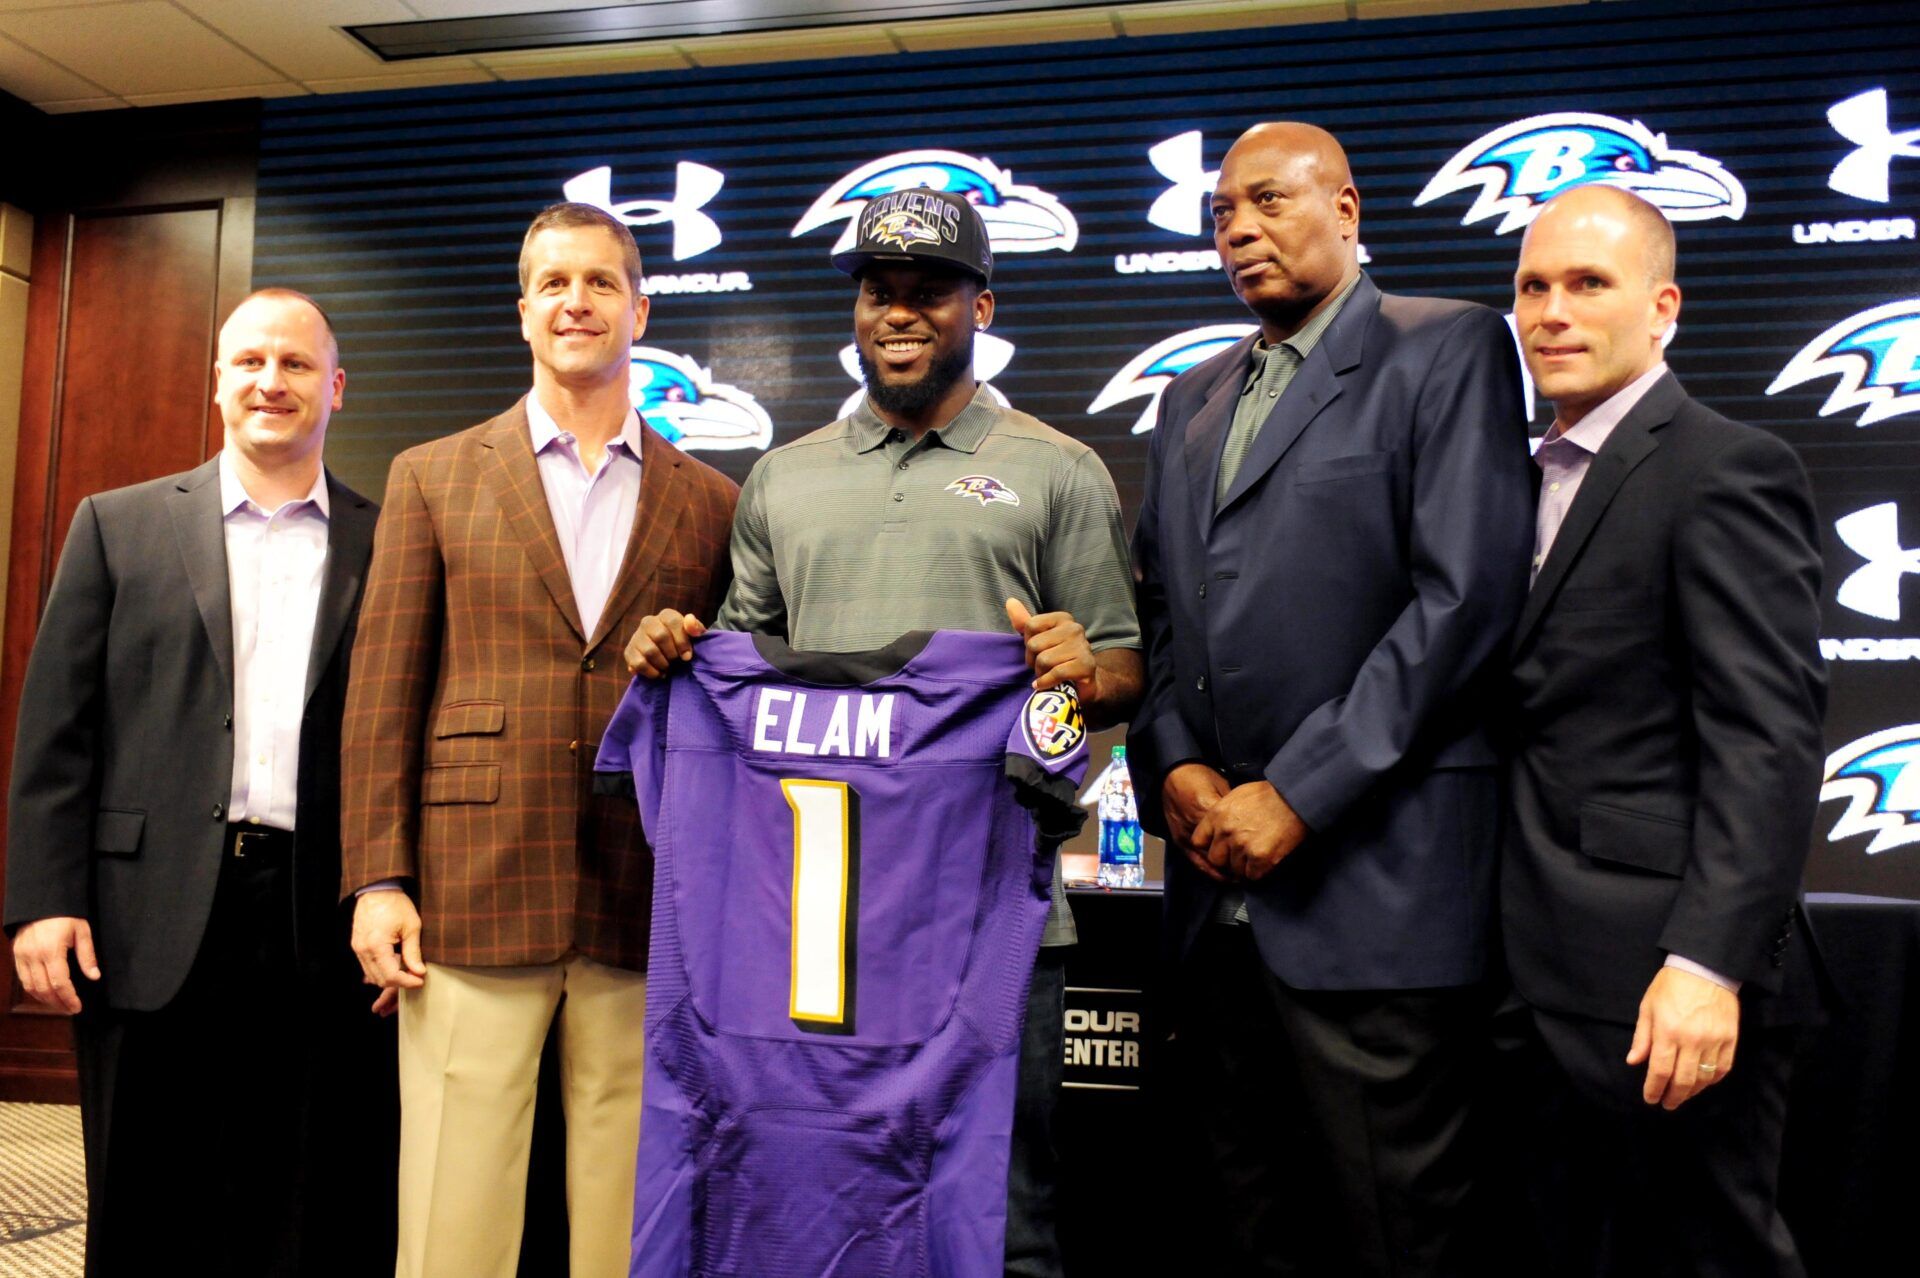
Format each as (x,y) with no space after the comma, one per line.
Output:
(276,561)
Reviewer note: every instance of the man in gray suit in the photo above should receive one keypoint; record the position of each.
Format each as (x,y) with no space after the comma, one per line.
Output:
(174,822)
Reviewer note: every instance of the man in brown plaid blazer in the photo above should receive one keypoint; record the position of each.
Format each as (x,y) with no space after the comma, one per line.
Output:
(511,564)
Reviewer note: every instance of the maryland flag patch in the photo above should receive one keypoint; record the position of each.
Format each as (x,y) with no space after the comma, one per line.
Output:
(1053,722)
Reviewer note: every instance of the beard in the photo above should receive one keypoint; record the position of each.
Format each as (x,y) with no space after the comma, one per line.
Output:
(911,400)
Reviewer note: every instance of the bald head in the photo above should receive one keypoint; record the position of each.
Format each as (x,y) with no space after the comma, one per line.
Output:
(281,304)
(1598,209)
(1286,222)
(1315,151)
(1593,296)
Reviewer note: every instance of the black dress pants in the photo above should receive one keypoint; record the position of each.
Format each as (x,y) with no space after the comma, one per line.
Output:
(217,1129)
(1621,1187)
(1326,1133)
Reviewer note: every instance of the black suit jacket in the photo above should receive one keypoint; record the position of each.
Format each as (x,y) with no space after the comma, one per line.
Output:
(1668,692)
(1335,628)
(124,754)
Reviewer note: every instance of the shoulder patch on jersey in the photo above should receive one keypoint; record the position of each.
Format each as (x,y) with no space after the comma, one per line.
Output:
(1053,723)
(985,487)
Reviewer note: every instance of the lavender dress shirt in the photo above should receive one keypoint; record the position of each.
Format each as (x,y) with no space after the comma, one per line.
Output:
(276,561)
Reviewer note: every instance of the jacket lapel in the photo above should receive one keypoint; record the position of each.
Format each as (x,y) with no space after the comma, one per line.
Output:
(1629,444)
(513,476)
(1314,386)
(1207,431)
(197,528)
(349,546)
(663,500)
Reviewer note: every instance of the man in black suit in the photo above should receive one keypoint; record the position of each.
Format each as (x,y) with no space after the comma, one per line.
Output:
(174,823)
(1331,555)
(1668,691)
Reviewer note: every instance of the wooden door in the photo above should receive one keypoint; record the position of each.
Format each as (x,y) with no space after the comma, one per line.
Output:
(117,388)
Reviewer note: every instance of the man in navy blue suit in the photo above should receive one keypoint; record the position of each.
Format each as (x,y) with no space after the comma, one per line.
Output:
(1331,557)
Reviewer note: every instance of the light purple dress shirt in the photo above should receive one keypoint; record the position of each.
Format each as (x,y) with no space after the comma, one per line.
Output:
(592,512)
(276,561)
(1563,457)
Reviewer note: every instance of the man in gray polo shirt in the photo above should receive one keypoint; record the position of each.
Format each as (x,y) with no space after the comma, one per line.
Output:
(934,507)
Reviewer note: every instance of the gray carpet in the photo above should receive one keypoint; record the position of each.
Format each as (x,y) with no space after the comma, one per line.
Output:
(43,1192)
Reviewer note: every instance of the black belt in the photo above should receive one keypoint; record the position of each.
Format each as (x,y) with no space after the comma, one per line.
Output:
(258,840)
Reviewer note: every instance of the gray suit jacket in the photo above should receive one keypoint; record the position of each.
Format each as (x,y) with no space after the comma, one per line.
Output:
(124,754)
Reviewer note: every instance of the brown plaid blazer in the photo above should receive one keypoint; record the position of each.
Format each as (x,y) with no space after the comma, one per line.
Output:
(477,702)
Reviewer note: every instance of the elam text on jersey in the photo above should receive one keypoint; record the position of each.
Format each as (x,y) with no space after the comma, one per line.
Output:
(857,725)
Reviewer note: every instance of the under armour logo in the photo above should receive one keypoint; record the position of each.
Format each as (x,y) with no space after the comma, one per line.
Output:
(1178,208)
(693,186)
(1862,120)
(1874,535)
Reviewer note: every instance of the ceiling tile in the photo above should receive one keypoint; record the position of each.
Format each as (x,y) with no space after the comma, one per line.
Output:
(277,89)
(71,106)
(14,6)
(411,78)
(30,77)
(116,44)
(986,30)
(1172,19)
(1421,8)
(603,59)
(783,46)
(301,40)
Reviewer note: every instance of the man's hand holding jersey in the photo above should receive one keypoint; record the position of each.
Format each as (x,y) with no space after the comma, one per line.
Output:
(661,639)
(1108,683)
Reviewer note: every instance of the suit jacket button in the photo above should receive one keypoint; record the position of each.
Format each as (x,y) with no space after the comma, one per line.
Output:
(587,664)
(1203,590)
(226,721)
(219,811)
(1200,684)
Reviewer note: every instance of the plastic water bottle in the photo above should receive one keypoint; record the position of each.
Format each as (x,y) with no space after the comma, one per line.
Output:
(1120,838)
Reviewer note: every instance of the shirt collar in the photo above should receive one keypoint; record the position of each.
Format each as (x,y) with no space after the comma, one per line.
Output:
(1303,342)
(233,493)
(1590,433)
(544,430)
(965,433)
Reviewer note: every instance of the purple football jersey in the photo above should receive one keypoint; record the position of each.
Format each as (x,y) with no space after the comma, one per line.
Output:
(853,852)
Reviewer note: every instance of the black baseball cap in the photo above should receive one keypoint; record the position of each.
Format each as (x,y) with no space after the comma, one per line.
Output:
(919,226)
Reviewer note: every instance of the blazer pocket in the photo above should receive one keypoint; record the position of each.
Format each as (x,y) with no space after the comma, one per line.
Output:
(470,719)
(461,783)
(116,831)
(1353,467)
(1641,840)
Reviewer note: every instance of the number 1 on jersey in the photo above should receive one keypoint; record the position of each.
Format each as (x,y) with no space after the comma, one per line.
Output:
(826,861)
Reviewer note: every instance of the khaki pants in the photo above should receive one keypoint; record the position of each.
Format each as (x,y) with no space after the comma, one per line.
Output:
(470,1042)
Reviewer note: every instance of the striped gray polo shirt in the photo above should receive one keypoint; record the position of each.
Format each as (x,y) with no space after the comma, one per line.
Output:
(849,537)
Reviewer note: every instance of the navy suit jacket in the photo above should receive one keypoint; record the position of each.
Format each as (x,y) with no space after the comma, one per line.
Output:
(1335,628)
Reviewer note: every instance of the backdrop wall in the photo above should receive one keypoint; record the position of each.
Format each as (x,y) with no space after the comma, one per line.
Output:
(1783,139)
